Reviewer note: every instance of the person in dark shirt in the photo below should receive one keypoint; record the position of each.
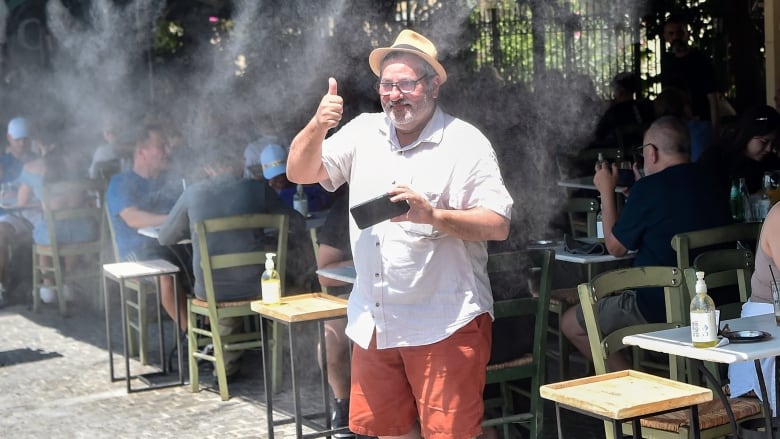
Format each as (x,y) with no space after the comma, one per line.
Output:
(686,68)
(747,153)
(674,197)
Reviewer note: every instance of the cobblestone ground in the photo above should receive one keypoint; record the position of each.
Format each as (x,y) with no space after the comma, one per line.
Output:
(54,381)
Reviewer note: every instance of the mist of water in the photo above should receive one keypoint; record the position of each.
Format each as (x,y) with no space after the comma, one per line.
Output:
(272,71)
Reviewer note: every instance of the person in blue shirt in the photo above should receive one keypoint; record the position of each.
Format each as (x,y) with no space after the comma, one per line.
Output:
(136,199)
(674,197)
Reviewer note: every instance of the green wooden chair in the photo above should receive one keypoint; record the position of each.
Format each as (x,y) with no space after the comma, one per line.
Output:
(55,199)
(214,310)
(712,415)
(582,214)
(730,268)
(530,366)
(684,243)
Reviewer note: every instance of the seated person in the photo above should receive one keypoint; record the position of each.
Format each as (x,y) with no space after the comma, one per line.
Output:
(51,168)
(674,197)
(675,102)
(742,376)
(15,228)
(205,200)
(273,160)
(747,153)
(622,125)
(112,156)
(135,200)
(335,251)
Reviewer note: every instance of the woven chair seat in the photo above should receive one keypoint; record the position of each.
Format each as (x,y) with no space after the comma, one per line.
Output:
(520,361)
(228,304)
(567,296)
(711,414)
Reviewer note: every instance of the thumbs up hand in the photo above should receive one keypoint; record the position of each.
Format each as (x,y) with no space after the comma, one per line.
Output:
(331,107)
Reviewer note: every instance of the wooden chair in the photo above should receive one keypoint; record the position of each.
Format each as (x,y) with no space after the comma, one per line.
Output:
(135,303)
(731,268)
(91,251)
(562,299)
(582,213)
(685,243)
(712,415)
(215,310)
(532,365)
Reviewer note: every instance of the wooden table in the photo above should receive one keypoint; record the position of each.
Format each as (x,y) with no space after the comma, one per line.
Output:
(677,341)
(626,396)
(293,311)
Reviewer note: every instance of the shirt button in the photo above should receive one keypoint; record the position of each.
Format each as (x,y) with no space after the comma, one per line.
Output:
(376,304)
(376,274)
(377,244)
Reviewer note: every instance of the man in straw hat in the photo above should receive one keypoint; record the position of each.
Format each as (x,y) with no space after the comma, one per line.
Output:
(419,312)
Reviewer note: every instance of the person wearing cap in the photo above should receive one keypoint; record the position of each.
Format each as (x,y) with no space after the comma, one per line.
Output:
(15,229)
(273,164)
(420,310)
(205,200)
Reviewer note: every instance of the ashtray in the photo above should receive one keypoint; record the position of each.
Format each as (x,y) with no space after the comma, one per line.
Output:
(746,336)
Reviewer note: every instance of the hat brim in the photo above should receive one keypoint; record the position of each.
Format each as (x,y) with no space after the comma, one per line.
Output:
(377,55)
(274,171)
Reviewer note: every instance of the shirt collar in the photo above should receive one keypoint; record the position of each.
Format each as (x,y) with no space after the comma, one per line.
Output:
(432,133)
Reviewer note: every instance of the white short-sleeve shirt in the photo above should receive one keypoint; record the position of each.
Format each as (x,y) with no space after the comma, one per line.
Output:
(415,285)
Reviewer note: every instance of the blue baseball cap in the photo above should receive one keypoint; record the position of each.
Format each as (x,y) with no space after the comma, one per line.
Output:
(274,161)
(17,128)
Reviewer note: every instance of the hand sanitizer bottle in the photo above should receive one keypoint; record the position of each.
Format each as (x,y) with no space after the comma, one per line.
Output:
(270,283)
(704,328)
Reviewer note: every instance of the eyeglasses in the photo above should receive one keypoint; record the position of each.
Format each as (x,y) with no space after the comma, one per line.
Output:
(404,86)
(639,150)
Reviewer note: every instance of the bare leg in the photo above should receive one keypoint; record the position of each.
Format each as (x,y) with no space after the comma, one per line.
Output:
(578,336)
(168,301)
(337,346)
(575,332)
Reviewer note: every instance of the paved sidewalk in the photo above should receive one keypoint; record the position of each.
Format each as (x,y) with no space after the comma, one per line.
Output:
(54,381)
(54,378)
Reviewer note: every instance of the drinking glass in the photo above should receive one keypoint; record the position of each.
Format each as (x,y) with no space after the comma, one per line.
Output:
(776,300)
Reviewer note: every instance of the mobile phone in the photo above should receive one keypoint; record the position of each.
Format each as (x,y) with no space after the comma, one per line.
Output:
(376,210)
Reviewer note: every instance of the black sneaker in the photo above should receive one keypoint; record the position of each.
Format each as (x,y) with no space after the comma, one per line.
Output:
(340,418)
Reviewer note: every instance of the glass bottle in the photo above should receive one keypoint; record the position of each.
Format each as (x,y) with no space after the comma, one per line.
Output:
(704,328)
(735,200)
(270,283)
(763,204)
(625,170)
(600,223)
(747,205)
(300,202)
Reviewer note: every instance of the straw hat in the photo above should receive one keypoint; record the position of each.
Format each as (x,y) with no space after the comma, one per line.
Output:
(411,42)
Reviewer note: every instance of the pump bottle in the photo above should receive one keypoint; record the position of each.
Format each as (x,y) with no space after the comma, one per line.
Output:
(270,283)
(704,329)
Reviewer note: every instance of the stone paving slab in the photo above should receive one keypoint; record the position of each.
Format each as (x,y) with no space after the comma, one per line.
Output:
(54,381)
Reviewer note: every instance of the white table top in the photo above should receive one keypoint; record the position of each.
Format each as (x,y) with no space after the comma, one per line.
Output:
(128,270)
(344,274)
(584,183)
(563,255)
(677,341)
(154,233)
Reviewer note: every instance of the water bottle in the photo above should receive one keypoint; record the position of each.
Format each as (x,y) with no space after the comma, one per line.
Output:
(735,200)
(747,205)
(764,203)
(300,202)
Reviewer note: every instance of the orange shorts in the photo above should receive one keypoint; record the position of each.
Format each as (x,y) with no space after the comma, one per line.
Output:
(440,384)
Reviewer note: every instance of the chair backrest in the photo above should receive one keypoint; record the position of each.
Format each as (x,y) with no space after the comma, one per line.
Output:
(616,282)
(73,201)
(105,170)
(109,226)
(730,268)
(574,207)
(276,224)
(737,234)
